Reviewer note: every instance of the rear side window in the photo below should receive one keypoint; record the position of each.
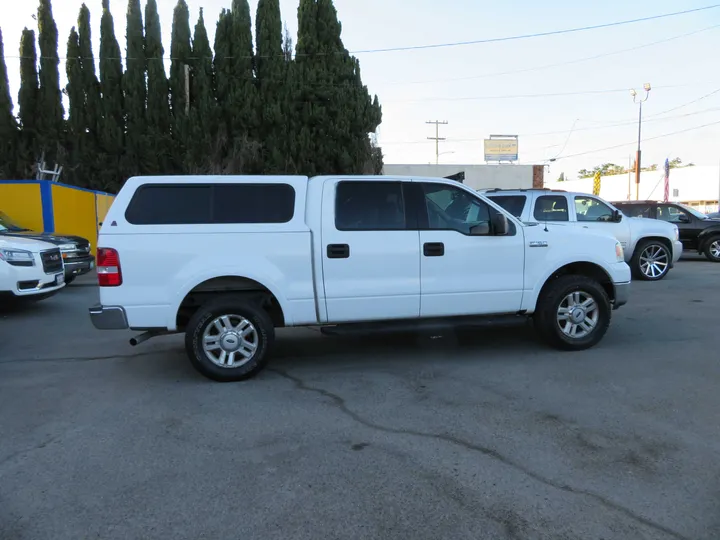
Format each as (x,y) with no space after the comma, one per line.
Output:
(637,210)
(512,203)
(196,204)
(551,208)
(369,206)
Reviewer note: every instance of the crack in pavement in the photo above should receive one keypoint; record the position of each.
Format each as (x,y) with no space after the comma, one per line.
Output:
(339,402)
(86,359)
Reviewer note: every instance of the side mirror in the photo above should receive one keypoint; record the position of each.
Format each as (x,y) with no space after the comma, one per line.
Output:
(483,229)
(500,224)
(617,216)
(682,218)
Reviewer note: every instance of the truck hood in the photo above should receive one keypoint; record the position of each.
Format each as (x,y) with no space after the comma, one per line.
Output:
(52,238)
(26,244)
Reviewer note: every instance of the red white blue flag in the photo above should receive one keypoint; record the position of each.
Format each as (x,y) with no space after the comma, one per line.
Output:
(666,195)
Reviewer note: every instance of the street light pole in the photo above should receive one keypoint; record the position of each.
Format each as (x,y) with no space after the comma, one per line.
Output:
(647,89)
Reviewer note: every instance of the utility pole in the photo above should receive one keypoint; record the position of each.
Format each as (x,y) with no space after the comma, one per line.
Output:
(437,137)
(633,93)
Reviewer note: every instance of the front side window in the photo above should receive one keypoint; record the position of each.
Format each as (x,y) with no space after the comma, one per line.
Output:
(551,208)
(454,209)
(591,209)
(512,203)
(671,213)
(369,206)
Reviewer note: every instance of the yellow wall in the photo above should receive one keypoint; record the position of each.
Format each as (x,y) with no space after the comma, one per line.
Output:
(74,212)
(103,203)
(23,204)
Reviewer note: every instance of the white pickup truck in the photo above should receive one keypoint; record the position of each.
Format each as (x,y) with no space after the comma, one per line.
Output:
(651,247)
(29,270)
(228,259)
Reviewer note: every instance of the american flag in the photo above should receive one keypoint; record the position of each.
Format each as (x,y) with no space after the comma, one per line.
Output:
(666,194)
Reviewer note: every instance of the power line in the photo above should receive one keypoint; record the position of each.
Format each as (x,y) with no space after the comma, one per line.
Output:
(442,45)
(558,64)
(535,35)
(635,142)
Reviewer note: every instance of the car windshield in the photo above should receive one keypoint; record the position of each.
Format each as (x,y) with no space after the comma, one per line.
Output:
(7,224)
(692,211)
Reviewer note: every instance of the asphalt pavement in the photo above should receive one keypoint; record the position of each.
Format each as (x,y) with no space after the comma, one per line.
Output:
(483,434)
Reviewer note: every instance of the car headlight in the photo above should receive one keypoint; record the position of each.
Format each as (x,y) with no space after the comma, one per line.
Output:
(619,252)
(17,257)
(68,247)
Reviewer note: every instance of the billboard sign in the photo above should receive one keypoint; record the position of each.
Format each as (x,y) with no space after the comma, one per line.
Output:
(501,148)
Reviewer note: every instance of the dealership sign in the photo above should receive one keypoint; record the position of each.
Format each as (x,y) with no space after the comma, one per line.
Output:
(501,148)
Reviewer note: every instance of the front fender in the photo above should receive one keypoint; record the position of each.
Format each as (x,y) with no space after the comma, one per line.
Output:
(262,271)
(705,235)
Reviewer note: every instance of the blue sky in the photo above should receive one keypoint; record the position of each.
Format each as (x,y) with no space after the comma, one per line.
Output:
(421,85)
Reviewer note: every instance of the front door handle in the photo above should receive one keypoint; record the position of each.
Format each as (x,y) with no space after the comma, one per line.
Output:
(338,251)
(434,249)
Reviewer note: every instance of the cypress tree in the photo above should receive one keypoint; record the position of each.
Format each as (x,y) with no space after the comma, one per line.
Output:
(271,70)
(50,110)
(77,120)
(8,125)
(222,62)
(134,159)
(158,108)
(180,52)
(112,134)
(243,93)
(28,105)
(91,103)
(337,112)
(203,108)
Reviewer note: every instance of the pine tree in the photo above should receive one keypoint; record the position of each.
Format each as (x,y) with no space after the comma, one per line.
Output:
(134,159)
(9,134)
(112,132)
(180,51)
(203,108)
(28,105)
(271,71)
(337,112)
(159,155)
(77,120)
(50,110)
(91,103)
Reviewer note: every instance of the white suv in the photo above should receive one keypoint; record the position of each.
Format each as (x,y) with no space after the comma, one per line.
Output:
(651,247)
(29,270)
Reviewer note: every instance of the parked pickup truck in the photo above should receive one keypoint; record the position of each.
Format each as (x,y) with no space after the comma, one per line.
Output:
(29,270)
(651,247)
(227,260)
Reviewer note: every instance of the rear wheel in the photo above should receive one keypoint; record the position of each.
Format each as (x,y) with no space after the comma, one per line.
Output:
(573,313)
(651,260)
(712,249)
(228,338)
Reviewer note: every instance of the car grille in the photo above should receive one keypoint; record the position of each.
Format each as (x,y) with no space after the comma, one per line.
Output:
(81,251)
(51,261)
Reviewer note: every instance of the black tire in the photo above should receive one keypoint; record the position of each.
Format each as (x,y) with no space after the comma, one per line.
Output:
(656,246)
(709,248)
(233,306)
(548,306)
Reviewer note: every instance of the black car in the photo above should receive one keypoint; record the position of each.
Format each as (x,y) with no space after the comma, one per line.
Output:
(698,232)
(75,250)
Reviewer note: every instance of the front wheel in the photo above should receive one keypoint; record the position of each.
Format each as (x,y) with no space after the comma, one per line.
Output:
(712,249)
(573,313)
(651,260)
(228,339)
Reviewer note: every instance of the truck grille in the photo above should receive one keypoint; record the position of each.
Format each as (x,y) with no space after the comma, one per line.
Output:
(82,251)
(51,261)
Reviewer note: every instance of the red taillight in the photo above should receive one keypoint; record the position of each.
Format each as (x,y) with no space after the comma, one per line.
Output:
(108,268)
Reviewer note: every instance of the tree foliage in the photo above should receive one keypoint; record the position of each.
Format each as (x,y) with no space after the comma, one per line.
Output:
(246,108)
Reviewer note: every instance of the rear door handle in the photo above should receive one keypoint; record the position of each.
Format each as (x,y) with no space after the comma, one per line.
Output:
(434,249)
(338,251)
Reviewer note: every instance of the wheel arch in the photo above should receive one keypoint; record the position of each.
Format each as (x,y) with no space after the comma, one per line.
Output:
(654,238)
(203,289)
(580,268)
(705,236)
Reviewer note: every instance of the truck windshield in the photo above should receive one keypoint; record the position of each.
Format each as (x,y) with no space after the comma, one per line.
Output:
(692,211)
(8,225)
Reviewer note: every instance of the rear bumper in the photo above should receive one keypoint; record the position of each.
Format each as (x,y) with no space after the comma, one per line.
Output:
(622,293)
(108,317)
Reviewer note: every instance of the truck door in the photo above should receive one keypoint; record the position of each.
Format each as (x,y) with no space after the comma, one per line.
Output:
(592,213)
(465,269)
(371,251)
